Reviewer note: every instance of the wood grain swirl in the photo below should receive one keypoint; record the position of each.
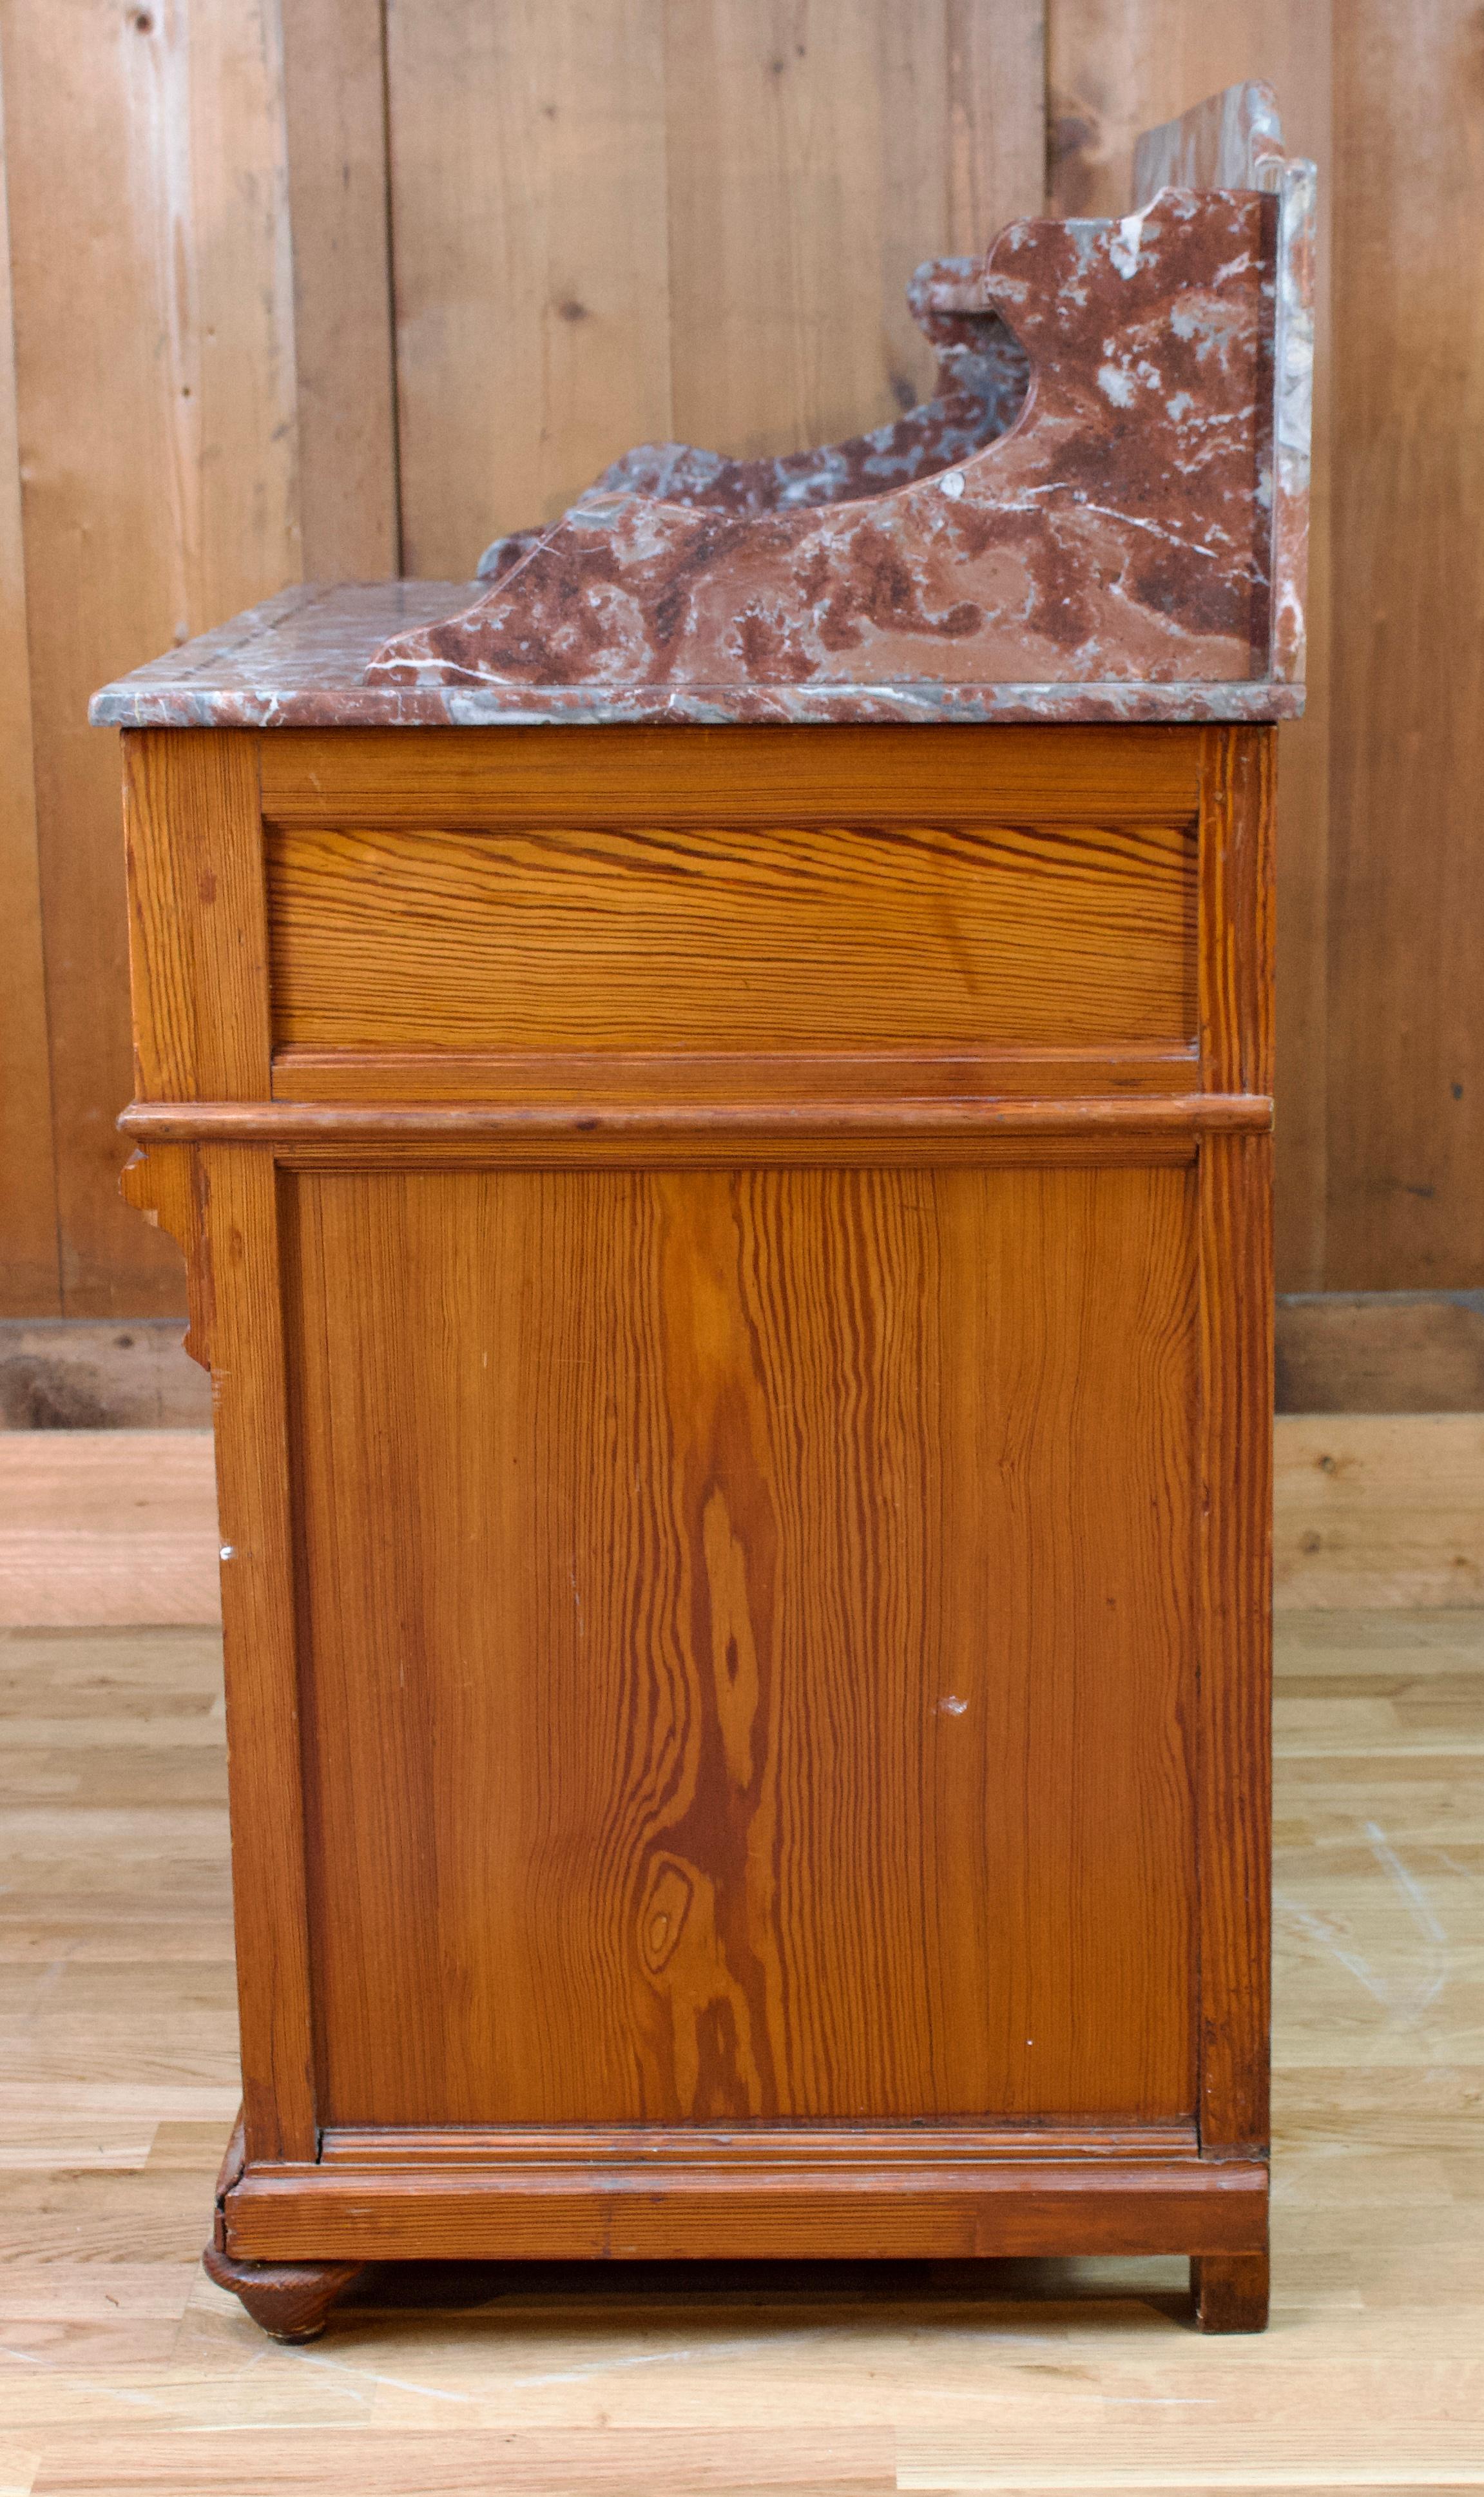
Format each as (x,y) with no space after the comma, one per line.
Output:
(759,939)
(703,1722)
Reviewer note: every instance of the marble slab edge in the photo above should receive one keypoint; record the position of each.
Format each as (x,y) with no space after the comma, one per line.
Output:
(131,705)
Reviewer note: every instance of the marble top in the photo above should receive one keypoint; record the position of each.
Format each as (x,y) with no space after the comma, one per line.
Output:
(1102,514)
(300,661)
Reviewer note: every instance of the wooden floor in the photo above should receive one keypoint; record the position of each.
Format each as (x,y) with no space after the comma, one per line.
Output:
(121,2368)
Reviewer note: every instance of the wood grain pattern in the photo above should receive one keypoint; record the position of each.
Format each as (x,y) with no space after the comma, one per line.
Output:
(198,928)
(528,201)
(1380,1353)
(593,1079)
(249,1394)
(780,938)
(740,1457)
(30,1278)
(339,223)
(1235,1638)
(107,1527)
(908,2209)
(815,155)
(1379,1508)
(155,387)
(1237,913)
(653,1134)
(996,118)
(1407,1042)
(466,779)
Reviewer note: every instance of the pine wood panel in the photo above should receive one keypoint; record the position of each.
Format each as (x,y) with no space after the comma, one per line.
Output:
(155,390)
(30,1279)
(1115,67)
(773,1448)
(1235,1639)
(781,938)
(1406,1040)
(251,1392)
(198,965)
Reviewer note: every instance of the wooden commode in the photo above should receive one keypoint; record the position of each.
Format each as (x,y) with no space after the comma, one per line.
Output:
(726,1201)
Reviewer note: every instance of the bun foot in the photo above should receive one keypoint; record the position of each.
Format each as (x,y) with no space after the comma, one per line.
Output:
(1230,2292)
(290,2301)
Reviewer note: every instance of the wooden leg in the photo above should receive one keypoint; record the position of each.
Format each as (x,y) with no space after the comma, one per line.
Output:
(1230,2292)
(291,2302)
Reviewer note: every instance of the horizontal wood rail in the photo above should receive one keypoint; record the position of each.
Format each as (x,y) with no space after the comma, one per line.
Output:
(910,2206)
(588,1077)
(293,1123)
(746,2145)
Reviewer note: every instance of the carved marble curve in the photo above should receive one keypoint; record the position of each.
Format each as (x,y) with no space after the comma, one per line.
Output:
(978,392)
(1138,523)
(1131,547)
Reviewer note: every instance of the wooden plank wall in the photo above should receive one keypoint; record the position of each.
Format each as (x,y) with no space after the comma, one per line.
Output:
(309,288)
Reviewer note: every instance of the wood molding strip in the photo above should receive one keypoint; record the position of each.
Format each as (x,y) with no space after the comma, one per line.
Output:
(926,2207)
(559,2147)
(288,1123)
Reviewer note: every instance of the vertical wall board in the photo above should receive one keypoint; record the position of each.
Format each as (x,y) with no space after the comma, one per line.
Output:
(155,394)
(818,150)
(1406,903)
(335,93)
(1115,67)
(29,1281)
(530,251)
(996,117)
(781,179)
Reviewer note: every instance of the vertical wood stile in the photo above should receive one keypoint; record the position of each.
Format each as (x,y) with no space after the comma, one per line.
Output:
(239,1203)
(1233,1613)
(30,1279)
(1235,971)
(1234,1774)
(198,915)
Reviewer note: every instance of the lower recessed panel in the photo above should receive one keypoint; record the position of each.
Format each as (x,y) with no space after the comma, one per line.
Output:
(746,1643)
